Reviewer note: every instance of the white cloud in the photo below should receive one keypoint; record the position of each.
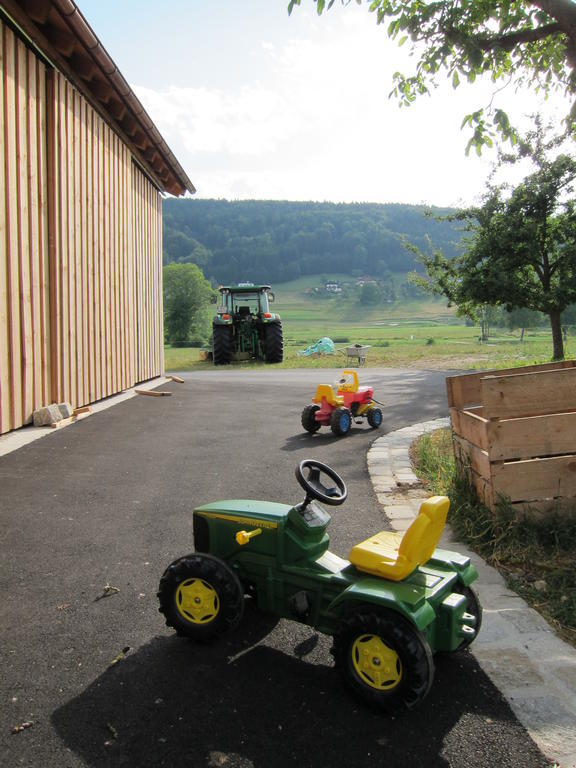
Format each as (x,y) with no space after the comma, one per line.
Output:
(318,124)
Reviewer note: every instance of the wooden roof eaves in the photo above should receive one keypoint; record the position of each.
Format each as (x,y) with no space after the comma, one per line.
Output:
(61,34)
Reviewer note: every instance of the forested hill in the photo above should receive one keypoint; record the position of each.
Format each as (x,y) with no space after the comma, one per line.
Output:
(270,241)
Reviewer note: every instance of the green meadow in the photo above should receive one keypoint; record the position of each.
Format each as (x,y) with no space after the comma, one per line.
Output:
(422,333)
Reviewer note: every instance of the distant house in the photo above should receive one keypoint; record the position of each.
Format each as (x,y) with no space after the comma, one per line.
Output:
(333,286)
(82,172)
(360,281)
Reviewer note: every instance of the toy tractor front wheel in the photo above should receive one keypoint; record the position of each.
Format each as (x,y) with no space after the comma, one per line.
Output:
(340,421)
(374,417)
(308,418)
(474,608)
(200,597)
(384,659)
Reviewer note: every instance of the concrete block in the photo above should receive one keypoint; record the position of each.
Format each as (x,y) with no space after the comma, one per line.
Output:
(43,417)
(66,410)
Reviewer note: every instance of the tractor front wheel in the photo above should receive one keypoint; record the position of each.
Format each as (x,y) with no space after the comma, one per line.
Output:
(308,418)
(200,597)
(384,659)
(340,421)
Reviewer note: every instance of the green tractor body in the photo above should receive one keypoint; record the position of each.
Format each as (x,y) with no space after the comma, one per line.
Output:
(244,328)
(291,572)
(385,630)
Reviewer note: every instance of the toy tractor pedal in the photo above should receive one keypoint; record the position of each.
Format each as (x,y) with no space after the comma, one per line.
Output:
(396,600)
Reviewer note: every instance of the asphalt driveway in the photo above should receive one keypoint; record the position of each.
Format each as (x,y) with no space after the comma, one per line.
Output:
(89,518)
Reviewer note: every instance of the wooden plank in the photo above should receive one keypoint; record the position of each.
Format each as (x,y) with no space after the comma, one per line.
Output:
(465,390)
(53,233)
(468,425)
(535,479)
(43,230)
(542,510)
(96,258)
(12,234)
(536,436)
(5,389)
(468,455)
(529,394)
(37,229)
(26,245)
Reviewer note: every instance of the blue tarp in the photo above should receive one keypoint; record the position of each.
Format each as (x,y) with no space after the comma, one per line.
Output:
(324,346)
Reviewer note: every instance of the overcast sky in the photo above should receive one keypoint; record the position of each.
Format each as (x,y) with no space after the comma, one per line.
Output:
(257,104)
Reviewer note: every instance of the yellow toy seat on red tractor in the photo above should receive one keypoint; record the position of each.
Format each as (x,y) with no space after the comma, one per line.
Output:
(337,406)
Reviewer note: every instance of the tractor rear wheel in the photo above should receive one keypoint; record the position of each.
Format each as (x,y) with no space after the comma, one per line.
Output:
(340,421)
(222,344)
(384,659)
(200,597)
(273,343)
(308,418)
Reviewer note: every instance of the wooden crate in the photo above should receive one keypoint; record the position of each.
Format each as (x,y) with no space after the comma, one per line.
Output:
(514,431)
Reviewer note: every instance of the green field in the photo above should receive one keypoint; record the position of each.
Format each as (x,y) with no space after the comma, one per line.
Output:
(419,334)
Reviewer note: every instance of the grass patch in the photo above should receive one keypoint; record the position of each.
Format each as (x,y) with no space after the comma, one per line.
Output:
(536,557)
(401,334)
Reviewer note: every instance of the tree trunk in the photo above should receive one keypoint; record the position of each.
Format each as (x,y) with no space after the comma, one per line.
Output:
(557,343)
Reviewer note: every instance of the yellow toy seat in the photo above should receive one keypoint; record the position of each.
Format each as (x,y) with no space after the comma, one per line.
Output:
(326,391)
(394,555)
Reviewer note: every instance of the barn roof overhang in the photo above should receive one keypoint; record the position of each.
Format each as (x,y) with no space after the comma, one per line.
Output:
(64,37)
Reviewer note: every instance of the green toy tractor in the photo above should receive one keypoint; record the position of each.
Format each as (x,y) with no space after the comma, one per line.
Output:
(389,607)
(244,328)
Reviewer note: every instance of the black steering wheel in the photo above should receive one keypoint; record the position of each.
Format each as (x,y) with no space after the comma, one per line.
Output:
(315,489)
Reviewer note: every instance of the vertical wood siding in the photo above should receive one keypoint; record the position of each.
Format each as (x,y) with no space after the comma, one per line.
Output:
(81,248)
(94,349)
(24,318)
(147,228)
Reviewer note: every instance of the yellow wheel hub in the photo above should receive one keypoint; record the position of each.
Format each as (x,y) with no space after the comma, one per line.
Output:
(197,601)
(375,663)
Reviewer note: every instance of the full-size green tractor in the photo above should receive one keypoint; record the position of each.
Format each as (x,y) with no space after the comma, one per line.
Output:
(395,601)
(244,328)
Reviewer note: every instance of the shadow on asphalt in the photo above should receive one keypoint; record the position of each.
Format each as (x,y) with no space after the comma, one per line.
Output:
(241,704)
(304,439)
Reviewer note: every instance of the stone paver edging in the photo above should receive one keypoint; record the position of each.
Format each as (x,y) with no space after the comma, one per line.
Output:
(533,668)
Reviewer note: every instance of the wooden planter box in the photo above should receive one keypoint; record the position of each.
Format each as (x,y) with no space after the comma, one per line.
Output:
(514,431)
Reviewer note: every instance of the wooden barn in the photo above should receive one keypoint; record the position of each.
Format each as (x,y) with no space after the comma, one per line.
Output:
(82,173)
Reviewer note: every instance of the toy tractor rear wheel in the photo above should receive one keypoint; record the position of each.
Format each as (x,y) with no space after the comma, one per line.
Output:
(308,418)
(273,343)
(374,417)
(384,659)
(222,347)
(340,421)
(200,597)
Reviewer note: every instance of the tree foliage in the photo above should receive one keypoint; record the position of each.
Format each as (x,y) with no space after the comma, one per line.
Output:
(186,295)
(531,43)
(277,241)
(521,250)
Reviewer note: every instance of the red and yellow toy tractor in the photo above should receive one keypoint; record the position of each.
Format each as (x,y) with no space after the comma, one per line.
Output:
(337,406)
